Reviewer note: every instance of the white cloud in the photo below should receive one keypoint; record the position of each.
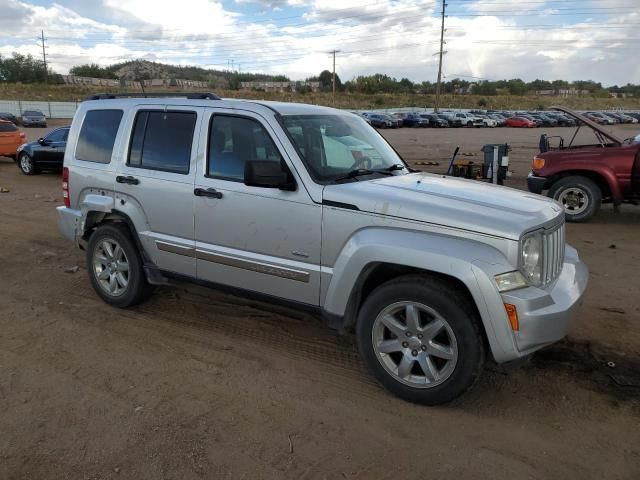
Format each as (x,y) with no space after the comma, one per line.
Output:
(394,37)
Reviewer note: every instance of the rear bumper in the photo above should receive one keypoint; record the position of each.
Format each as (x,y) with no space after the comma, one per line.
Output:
(536,184)
(69,222)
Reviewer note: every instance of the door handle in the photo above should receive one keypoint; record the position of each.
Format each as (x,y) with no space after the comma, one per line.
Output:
(129,180)
(209,192)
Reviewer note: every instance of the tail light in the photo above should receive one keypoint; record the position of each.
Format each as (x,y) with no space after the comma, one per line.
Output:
(65,187)
(23,136)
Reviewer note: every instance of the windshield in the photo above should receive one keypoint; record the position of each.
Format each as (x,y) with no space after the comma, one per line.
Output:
(33,113)
(334,145)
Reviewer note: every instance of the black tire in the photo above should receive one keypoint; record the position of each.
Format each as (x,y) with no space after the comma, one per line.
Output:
(26,164)
(137,289)
(461,318)
(581,186)
(469,124)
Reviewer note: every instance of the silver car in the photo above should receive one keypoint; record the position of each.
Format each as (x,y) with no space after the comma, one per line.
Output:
(33,118)
(310,206)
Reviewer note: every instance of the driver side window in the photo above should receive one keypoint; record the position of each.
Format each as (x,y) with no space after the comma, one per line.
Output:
(232,142)
(58,135)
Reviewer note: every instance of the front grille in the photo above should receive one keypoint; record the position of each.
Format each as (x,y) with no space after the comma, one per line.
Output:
(553,245)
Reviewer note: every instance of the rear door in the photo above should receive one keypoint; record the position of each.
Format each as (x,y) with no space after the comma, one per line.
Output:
(154,183)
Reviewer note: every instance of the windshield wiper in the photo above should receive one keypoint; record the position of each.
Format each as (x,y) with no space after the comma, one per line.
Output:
(394,167)
(363,171)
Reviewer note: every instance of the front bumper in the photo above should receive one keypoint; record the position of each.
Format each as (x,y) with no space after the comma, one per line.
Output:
(536,184)
(546,315)
(69,222)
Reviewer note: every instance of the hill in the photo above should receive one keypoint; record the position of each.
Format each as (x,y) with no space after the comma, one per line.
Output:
(348,100)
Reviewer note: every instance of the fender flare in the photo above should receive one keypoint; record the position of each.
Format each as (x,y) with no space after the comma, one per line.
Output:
(470,262)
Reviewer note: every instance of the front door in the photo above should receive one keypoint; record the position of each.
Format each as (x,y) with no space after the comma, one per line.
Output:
(154,185)
(261,239)
(56,143)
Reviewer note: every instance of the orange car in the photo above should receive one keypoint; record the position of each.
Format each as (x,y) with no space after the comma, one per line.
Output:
(10,139)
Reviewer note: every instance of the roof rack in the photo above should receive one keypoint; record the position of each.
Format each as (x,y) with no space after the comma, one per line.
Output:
(188,95)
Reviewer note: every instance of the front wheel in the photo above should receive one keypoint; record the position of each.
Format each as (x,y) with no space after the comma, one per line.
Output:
(580,197)
(421,340)
(26,165)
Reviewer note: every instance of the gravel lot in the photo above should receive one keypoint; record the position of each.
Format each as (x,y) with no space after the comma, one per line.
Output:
(198,384)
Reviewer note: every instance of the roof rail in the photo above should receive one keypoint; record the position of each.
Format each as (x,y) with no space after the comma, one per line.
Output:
(188,95)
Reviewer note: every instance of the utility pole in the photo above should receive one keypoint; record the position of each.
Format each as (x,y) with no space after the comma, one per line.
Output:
(444,7)
(44,57)
(333,77)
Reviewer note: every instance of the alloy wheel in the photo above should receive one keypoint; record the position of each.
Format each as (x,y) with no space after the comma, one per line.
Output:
(111,267)
(26,165)
(415,344)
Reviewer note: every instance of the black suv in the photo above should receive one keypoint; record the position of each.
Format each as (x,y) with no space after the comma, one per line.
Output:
(46,153)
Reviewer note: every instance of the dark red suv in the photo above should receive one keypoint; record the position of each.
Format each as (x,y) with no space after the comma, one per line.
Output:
(581,177)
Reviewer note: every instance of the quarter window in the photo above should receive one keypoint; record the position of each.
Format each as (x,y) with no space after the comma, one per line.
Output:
(98,135)
(162,141)
(235,140)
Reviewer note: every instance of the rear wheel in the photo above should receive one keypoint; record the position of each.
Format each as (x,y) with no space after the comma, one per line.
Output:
(579,196)
(115,267)
(421,340)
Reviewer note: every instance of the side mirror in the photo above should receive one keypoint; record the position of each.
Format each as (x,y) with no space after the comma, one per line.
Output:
(41,141)
(268,174)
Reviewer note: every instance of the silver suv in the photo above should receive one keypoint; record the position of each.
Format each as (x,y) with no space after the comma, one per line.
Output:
(310,206)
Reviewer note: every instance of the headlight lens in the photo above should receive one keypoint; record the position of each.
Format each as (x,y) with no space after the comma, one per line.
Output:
(510,281)
(531,259)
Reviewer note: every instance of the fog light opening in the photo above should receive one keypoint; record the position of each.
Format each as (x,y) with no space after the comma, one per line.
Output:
(512,314)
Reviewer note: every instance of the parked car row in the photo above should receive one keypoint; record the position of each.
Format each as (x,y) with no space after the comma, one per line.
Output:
(473,119)
(613,118)
(29,118)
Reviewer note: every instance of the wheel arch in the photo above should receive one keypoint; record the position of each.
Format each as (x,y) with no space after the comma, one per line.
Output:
(604,179)
(376,274)
(95,218)
(378,255)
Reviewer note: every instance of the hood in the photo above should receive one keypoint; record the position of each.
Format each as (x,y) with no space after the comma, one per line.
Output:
(590,123)
(453,202)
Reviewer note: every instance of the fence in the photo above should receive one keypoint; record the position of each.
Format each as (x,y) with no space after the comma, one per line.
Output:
(50,109)
(67,109)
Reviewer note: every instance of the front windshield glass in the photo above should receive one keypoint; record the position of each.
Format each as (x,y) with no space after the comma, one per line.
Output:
(334,145)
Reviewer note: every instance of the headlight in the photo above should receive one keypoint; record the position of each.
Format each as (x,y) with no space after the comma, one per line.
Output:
(531,258)
(510,281)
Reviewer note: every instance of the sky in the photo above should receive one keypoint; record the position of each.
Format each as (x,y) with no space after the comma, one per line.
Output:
(485,39)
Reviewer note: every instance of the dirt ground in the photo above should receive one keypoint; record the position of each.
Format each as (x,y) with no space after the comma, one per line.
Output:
(199,384)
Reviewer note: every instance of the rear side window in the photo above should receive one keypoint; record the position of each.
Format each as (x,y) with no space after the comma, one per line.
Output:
(7,127)
(98,135)
(162,141)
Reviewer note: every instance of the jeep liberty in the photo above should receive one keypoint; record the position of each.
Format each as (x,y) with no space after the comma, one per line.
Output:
(310,206)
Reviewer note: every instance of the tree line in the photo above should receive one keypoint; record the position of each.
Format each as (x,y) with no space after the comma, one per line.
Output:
(26,69)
